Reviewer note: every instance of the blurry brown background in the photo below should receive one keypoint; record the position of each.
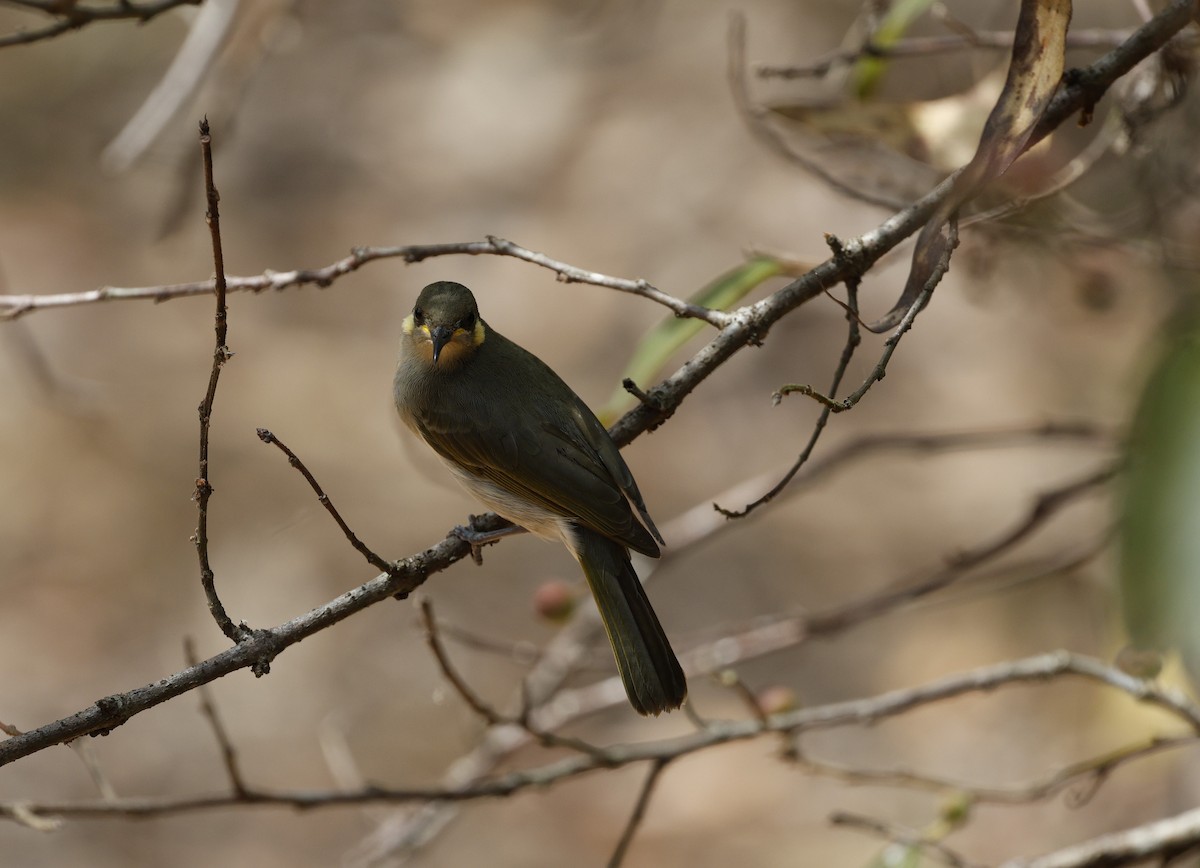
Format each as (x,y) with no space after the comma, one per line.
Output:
(602,134)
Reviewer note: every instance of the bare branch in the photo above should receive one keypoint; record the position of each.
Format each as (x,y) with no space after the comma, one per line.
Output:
(1161,840)
(639,813)
(702,522)
(73,16)
(221,354)
(928,46)
(476,703)
(206,38)
(1040,669)
(13,306)
(450,673)
(747,326)
(1046,505)
(905,837)
(1089,774)
(106,714)
(403,834)
(829,405)
(755,118)
(853,339)
(209,708)
(373,559)
(889,346)
(731,679)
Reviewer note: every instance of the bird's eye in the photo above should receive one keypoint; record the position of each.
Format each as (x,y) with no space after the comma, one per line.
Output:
(418,316)
(467,322)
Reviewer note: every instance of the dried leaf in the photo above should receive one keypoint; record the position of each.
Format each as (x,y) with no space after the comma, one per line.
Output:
(1039,55)
(1038,59)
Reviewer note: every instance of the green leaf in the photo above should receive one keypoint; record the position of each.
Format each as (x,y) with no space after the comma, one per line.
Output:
(868,70)
(1160,506)
(673,332)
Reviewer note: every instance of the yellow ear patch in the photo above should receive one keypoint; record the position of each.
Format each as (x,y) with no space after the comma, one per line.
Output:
(480,332)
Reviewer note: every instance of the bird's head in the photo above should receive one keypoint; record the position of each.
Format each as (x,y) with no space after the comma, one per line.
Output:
(444,328)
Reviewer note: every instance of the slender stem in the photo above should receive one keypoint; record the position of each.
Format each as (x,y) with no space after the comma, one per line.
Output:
(221,354)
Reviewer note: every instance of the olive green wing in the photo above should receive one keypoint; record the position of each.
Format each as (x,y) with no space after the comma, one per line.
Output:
(554,459)
(598,441)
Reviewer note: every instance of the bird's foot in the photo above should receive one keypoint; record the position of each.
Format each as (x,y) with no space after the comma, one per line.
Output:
(477,539)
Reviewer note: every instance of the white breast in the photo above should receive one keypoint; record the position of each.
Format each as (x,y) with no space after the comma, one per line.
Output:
(534,518)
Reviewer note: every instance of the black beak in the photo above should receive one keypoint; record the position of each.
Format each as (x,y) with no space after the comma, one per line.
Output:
(440,335)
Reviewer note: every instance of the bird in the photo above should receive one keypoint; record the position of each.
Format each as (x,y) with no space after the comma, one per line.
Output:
(527,446)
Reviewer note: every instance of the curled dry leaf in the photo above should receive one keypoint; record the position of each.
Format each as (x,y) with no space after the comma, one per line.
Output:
(1038,59)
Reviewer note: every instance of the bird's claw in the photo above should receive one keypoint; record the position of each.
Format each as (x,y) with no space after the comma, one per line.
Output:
(475,539)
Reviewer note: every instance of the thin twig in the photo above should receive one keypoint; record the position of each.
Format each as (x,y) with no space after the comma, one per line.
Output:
(902,835)
(1040,669)
(13,306)
(926,46)
(1047,504)
(221,355)
(73,16)
(1090,772)
(853,339)
(702,522)
(639,813)
(106,714)
(747,326)
(574,274)
(208,34)
(521,652)
(889,346)
(829,405)
(450,673)
(478,705)
(1161,840)
(87,756)
(209,708)
(763,636)
(730,678)
(294,460)
(756,119)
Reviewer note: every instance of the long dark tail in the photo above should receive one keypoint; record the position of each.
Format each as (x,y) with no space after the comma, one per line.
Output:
(649,669)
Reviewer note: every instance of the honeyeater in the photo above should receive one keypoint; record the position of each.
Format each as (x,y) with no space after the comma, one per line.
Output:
(527,446)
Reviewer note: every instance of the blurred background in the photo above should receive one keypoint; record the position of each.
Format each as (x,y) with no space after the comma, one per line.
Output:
(603,134)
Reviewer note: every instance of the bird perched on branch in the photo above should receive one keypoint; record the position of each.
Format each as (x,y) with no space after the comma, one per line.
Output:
(526,445)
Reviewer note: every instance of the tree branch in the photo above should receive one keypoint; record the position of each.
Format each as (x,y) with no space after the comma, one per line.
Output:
(905,837)
(1039,669)
(1162,840)
(106,714)
(73,16)
(294,460)
(221,354)
(639,813)
(1088,774)
(208,708)
(747,326)
(13,306)
(927,46)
